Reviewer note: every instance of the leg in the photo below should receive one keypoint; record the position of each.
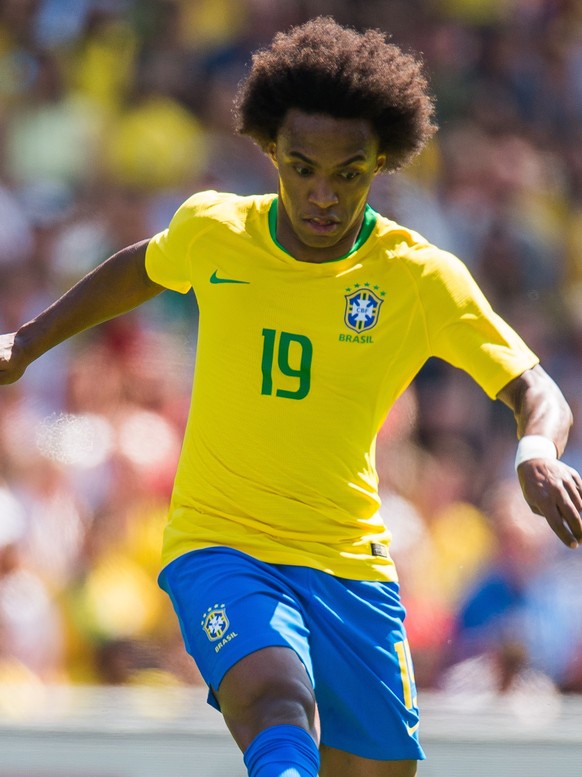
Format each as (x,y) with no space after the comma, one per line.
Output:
(251,645)
(268,704)
(338,763)
(269,687)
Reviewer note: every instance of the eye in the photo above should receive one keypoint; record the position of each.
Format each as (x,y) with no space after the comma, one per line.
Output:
(302,171)
(350,175)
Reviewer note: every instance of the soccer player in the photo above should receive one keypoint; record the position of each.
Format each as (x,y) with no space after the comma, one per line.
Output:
(315,314)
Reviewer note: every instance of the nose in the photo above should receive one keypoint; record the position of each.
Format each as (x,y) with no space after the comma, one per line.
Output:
(322,194)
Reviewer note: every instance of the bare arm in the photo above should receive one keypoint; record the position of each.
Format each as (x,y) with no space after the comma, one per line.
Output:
(550,487)
(114,287)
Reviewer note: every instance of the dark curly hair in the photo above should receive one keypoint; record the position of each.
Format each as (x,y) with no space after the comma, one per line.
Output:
(322,67)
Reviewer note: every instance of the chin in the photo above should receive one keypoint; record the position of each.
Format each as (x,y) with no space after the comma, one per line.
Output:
(320,241)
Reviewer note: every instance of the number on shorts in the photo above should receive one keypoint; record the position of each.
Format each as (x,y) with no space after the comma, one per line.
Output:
(406,673)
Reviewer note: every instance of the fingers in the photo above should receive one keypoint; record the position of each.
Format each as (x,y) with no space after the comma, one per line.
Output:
(577,480)
(6,343)
(564,518)
(554,490)
(11,367)
(572,507)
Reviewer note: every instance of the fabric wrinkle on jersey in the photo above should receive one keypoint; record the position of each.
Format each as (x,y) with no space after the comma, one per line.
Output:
(297,365)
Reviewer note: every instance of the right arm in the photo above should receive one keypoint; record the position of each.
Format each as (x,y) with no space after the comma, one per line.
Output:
(117,286)
(550,487)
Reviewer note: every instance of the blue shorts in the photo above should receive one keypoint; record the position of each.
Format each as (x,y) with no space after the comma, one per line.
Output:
(349,635)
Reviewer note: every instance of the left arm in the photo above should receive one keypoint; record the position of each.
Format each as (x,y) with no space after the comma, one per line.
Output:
(550,487)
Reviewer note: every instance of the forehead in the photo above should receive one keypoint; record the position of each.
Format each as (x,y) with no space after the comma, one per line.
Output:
(325,138)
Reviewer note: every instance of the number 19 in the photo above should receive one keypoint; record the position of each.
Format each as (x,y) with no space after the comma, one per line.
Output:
(302,360)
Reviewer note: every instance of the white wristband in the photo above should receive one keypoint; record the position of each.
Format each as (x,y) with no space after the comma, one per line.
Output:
(534,446)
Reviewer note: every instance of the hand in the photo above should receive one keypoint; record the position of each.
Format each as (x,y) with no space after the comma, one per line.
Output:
(554,490)
(12,361)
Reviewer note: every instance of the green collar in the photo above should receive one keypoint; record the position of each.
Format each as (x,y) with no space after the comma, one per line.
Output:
(368,225)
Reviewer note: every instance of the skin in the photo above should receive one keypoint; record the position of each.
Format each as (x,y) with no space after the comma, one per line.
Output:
(551,488)
(326,167)
(113,288)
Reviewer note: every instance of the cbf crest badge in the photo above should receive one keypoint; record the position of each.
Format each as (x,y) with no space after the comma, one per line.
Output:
(362,309)
(215,622)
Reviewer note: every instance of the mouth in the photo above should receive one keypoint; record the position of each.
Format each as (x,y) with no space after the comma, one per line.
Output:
(321,225)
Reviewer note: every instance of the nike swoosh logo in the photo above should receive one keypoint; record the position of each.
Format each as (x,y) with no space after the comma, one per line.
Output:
(412,729)
(215,279)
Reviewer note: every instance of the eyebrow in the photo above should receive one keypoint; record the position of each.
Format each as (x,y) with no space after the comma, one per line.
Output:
(359,157)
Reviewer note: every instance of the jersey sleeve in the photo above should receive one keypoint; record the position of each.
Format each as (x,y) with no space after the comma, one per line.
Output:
(466,332)
(169,253)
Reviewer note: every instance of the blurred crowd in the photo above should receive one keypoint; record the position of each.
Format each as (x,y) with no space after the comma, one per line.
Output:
(111,113)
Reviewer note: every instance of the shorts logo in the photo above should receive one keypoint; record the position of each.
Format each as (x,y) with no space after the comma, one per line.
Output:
(363,307)
(215,623)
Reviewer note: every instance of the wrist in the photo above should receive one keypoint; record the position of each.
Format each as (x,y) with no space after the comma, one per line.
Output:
(534,446)
(26,343)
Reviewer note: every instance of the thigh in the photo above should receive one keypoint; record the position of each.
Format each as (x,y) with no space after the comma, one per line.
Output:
(364,681)
(229,606)
(269,687)
(338,763)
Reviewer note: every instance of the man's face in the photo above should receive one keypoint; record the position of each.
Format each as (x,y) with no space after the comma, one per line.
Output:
(326,167)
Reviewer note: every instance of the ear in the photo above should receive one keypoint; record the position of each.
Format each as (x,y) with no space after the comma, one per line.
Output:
(380,162)
(271,151)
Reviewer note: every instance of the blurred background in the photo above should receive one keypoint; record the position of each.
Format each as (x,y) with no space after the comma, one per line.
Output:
(112,112)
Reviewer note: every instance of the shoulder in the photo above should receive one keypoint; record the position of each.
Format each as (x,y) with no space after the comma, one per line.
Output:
(222,208)
(421,258)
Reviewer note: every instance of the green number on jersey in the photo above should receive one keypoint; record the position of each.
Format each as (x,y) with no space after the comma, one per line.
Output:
(294,357)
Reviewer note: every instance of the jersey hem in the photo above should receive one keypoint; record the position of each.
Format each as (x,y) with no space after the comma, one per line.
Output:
(373,571)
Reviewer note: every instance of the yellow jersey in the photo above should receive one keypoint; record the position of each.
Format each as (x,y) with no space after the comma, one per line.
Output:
(297,366)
